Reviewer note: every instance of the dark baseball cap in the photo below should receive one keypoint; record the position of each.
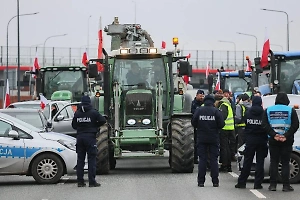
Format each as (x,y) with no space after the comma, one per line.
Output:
(200,92)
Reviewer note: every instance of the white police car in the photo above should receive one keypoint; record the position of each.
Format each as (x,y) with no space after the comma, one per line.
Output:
(26,150)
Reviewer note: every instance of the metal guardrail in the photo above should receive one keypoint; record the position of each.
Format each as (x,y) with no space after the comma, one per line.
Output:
(73,56)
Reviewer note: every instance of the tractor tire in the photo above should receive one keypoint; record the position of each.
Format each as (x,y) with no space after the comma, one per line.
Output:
(103,151)
(47,168)
(182,152)
(294,169)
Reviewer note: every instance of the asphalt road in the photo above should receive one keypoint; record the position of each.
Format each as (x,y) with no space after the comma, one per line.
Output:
(139,179)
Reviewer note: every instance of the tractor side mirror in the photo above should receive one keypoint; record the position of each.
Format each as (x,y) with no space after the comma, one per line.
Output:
(185,68)
(93,70)
(241,74)
(258,68)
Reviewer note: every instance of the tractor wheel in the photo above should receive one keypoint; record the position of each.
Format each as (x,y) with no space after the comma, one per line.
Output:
(182,152)
(103,151)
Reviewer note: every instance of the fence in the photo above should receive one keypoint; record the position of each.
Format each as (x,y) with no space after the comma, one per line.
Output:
(73,56)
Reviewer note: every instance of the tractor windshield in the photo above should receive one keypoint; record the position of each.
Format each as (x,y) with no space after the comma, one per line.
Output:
(64,80)
(133,72)
(236,84)
(290,71)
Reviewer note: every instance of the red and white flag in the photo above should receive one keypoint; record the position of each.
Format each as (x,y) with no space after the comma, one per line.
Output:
(218,86)
(189,55)
(100,45)
(248,68)
(44,101)
(207,69)
(163,44)
(84,59)
(265,52)
(35,66)
(186,79)
(7,97)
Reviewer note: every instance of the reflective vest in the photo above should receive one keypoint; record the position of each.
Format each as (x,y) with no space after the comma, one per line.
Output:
(279,117)
(229,121)
(243,115)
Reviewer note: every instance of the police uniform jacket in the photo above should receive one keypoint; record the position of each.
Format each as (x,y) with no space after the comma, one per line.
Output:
(87,120)
(208,120)
(254,132)
(281,99)
(195,105)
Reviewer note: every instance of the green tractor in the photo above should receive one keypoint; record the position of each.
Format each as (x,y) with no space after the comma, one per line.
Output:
(148,113)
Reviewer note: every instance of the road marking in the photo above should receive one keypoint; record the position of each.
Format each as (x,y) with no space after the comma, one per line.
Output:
(233,174)
(258,194)
(63,180)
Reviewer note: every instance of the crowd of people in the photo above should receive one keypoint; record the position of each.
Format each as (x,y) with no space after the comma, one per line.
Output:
(218,120)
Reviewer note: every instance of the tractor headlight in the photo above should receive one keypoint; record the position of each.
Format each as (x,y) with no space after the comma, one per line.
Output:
(152,50)
(131,121)
(124,51)
(146,121)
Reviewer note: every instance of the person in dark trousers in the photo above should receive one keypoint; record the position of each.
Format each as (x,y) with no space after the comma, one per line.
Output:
(197,102)
(240,114)
(256,143)
(225,135)
(280,122)
(231,136)
(87,122)
(208,120)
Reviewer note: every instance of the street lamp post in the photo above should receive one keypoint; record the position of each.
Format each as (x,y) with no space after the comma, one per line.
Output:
(256,52)
(45,44)
(277,45)
(234,50)
(287,25)
(7,37)
(88,35)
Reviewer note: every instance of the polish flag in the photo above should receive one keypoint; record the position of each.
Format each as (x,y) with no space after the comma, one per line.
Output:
(186,79)
(218,86)
(44,101)
(84,59)
(248,68)
(163,44)
(188,56)
(265,52)
(207,69)
(100,45)
(7,97)
(35,66)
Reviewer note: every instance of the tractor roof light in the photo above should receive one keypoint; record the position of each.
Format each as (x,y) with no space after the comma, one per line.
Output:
(175,41)
(153,50)
(123,51)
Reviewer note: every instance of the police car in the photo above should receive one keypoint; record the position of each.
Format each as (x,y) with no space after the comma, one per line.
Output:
(295,156)
(26,150)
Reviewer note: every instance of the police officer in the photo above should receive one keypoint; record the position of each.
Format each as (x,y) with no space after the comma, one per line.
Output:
(225,135)
(197,102)
(87,121)
(208,120)
(240,111)
(256,139)
(280,122)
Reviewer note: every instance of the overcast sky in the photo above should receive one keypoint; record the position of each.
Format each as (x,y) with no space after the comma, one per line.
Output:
(198,24)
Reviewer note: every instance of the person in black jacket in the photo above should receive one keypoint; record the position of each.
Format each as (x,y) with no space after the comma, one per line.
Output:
(256,139)
(208,120)
(197,102)
(281,123)
(87,121)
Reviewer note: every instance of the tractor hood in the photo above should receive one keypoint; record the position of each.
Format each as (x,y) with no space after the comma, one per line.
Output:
(139,102)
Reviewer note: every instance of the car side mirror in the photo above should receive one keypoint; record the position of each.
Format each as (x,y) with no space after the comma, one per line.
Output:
(49,125)
(59,118)
(13,134)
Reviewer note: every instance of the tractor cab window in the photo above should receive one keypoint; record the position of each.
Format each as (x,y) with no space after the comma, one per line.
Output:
(236,84)
(133,72)
(286,77)
(63,80)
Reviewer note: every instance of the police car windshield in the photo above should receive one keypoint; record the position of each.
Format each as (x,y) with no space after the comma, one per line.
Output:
(22,123)
(32,118)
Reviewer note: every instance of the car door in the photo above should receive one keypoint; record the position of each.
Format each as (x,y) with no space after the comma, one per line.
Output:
(62,121)
(12,151)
